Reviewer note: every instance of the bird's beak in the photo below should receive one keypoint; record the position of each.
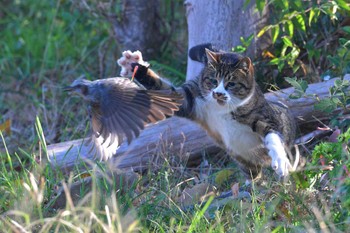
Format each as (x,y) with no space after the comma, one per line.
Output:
(68,89)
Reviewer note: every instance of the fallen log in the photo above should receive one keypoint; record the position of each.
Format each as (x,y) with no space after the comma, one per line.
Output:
(171,136)
(181,137)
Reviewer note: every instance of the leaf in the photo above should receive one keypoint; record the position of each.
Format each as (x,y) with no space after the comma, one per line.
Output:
(338,83)
(290,28)
(301,22)
(334,60)
(284,50)
(260,5)
(301,181)
(344,42)
(239,49)
(346,29)
(300,87)
(326,105)
(287,41)
(343,4)
(246,42)
(274,61)
(267,53)
(285,4)
(263,30)
(41,136)
(275,32)
(311,16)
(293,55)
(222,176)
(297,4)
(296,68)
(280,65)
(6,126)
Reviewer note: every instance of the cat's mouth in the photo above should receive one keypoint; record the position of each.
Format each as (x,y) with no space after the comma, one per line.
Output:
(221,102)
(220,98)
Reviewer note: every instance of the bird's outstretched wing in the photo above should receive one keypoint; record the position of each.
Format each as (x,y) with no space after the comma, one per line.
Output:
(123,110)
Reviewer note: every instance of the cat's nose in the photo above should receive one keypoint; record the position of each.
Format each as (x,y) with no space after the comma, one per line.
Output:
(217,94)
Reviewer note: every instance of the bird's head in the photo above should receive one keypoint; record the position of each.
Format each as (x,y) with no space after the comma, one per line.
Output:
(79,87)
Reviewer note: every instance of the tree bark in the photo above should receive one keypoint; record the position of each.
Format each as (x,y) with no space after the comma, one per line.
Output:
(138,27)
(222,23)
(181,138)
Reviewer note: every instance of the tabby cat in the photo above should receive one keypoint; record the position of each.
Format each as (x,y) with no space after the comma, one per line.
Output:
(227,102)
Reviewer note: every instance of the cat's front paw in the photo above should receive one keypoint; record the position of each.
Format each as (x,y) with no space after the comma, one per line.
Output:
(127,59)
(279,160)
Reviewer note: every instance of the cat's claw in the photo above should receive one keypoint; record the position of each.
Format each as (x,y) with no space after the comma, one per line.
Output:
(127,59)
(279,160)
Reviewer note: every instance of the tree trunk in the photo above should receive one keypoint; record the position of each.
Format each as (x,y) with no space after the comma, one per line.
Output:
(138,27)
(222,23)
(180,138)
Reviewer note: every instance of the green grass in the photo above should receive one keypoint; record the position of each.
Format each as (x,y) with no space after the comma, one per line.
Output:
(44,45)
(152,203)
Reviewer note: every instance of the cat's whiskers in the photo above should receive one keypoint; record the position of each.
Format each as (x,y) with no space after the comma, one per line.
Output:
(232,105)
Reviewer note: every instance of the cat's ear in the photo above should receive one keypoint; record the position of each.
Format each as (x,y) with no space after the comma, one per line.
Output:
(246,65)
(212,56)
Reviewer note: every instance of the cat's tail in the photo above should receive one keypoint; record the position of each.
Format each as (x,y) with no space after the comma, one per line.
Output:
(197,53)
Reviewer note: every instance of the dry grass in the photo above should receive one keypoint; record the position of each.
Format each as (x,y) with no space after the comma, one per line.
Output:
(44,46)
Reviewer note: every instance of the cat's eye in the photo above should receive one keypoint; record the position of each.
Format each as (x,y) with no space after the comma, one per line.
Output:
(230,84)
(214,82)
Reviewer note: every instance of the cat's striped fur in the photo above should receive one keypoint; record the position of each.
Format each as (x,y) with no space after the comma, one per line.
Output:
(226,101)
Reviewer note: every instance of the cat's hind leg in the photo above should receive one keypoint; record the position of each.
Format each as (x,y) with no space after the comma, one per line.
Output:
(251,171)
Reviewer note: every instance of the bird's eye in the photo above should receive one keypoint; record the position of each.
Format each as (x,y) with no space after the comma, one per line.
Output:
(84,90)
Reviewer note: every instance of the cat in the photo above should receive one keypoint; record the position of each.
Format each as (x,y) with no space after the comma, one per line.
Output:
(227,102)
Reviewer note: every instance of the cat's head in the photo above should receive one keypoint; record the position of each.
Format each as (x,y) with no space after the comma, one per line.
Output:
(228,78)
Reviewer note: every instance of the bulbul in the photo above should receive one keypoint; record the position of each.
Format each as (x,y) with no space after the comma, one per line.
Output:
(119,108)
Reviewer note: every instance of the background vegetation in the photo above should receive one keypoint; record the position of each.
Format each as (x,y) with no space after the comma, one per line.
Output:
(44,45)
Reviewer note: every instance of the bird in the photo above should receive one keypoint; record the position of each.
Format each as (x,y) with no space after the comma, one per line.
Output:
(119,109)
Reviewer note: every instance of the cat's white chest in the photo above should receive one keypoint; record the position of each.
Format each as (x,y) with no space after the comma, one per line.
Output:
(238,138)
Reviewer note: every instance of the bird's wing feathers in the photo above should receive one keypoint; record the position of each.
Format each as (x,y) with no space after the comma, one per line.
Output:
(123,110)
(163,103)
